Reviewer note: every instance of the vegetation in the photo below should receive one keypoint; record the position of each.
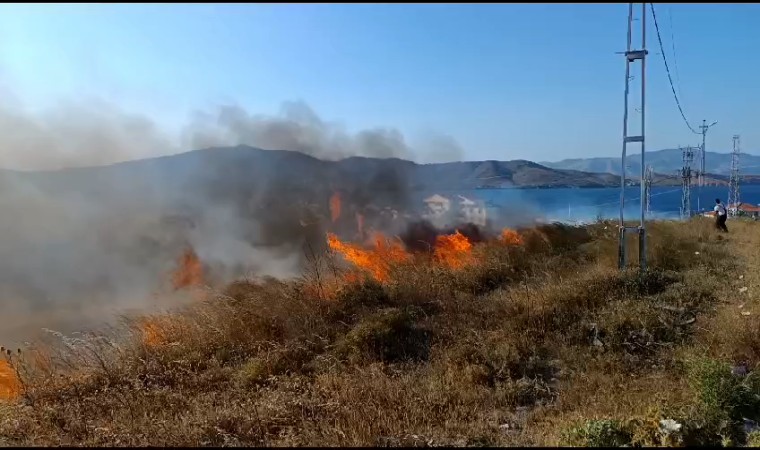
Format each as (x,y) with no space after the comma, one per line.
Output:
(540,342)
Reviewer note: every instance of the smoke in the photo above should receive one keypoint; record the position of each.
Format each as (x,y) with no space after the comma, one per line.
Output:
(76,133)
(436,148)
(83,245)
(296,128)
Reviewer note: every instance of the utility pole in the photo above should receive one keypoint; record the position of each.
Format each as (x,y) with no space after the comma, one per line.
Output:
(688,158)
(631,56)
(703,155)
(702,167)
(648,184)
(733,181)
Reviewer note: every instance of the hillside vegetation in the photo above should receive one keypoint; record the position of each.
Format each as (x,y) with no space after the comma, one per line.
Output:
(532,339)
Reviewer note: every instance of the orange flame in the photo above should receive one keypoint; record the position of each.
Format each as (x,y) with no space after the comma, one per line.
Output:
(453,250)
(10,386)
(376,261)
(189,271)
(511,237)
(153,335)
(335,206)
(155,330)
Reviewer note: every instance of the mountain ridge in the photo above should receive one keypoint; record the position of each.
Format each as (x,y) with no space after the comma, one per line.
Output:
(666,161)
(248,169)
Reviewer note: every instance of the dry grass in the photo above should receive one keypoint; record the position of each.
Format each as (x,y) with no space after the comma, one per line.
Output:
(518,349)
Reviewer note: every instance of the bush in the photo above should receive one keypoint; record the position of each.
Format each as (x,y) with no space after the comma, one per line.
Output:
(390,335)
(753,439)
(724,400)
(599,433)
(718,389)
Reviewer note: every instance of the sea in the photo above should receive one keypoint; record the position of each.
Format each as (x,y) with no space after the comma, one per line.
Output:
(583,205)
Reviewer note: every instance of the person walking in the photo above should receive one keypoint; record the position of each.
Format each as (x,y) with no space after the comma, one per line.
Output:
(720,216)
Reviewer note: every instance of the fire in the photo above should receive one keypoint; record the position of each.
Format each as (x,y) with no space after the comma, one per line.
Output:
(376,261)
(189,271)
(335,206)
(10,387)
(511,237)
(152,334)
(453,250)
(154,330)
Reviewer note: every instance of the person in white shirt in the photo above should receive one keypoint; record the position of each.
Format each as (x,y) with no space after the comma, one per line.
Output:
(720,216)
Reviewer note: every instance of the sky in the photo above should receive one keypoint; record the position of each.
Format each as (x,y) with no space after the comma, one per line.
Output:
(513,81)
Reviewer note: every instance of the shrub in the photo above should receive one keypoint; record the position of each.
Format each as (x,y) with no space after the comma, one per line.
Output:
(599,433)
(390,335)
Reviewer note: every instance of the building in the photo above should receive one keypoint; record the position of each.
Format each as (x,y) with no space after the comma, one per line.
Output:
(438,205)
(473,212)
(746,209)
(440,213)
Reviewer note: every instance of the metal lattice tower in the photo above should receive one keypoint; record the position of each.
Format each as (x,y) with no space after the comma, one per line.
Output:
(648,187)
(686,175)
(631,56)
(733,182)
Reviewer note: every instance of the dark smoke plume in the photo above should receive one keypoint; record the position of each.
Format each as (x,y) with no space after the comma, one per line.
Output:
(296,128)
(81,245)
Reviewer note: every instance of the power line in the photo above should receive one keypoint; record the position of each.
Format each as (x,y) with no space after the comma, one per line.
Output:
(673,46)
(667,69)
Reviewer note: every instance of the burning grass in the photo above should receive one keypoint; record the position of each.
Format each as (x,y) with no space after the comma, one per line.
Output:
(189,271)
(10,386)
(518,340)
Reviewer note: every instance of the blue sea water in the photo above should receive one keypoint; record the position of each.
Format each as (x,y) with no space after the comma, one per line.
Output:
(588,204)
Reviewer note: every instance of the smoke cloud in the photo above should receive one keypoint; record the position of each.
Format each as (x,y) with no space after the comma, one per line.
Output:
(82,245)
(297,128)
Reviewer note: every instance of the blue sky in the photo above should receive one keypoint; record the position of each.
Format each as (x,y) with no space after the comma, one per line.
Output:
(539,82)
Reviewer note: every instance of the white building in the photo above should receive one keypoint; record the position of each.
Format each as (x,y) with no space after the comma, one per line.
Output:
(439,211)
(438,205)
(472,211)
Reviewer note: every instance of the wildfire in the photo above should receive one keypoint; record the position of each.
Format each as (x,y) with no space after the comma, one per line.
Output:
(189,271)
(154,331)
(376,261)
(335,206)
(511,237)
(10,387)
(453,250)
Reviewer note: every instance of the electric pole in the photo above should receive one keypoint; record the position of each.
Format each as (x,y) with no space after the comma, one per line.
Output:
(686,174)
(733,181)
(631,56)
(703,151)
(702,157)
(649,179)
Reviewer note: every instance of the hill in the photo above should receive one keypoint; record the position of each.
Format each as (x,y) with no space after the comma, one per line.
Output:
(663,161)
(242,171)
(246,167)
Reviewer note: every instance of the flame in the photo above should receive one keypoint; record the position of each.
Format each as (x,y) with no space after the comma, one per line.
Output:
(189,271)
(511,237)
(154,331)
(152,335)
(453,250)
(376,261)
(10,386)
(335,206)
